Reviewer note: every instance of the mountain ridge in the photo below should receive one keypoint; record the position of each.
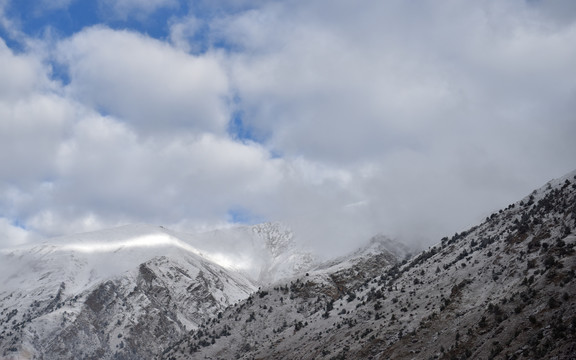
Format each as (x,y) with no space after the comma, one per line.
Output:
(504,289)
(125,292)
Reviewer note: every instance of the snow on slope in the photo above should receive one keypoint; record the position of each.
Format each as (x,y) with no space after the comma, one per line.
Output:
(376,246)
(57,293)
(274,317)
(116,281)
(505,289)
(85,259)
(264,252)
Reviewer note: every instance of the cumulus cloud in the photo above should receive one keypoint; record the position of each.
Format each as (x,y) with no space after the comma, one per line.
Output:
(149,84)
(412,119)
(454,104)
(182,32)
(376,81)
(32,126)
(107,175)
(20,74)
(31,131)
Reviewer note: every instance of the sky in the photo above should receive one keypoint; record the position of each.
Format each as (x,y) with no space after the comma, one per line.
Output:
(343,119)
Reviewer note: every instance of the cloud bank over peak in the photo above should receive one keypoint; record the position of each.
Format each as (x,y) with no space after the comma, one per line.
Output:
(343,120)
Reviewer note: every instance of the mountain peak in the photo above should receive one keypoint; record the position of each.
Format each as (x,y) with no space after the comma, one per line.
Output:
(380,242)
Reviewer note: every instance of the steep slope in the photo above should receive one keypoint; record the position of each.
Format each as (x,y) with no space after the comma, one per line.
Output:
(127,292)
(119,293)
(504,289)
(268,324)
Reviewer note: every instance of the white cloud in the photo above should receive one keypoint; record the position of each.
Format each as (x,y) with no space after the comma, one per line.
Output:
(182,31)
(456,105)
(149,84)
(52,222)
(11,235)
(414,119)
(30,133)
(20,75)
(33,120)
(108,173)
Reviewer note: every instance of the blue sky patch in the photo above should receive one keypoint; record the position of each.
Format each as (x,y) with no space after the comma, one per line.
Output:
(238,129)
(240,215)
(35,19)
(17,223)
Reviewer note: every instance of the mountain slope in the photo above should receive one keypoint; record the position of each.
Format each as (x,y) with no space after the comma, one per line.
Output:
(263,252)
(125,293)
(268,323)
(111,293)
(504,289)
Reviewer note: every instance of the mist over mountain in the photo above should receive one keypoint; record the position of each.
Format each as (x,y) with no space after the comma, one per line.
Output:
(268,179)
(503,289)
(130,290)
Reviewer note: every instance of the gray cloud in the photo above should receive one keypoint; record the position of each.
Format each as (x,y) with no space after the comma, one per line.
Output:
(560,12)
(458,107)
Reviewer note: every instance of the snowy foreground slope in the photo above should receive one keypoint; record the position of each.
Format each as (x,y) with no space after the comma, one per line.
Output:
(504,289)
(126,293)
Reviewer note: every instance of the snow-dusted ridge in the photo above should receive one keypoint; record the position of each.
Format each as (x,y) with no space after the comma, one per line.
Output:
(262,252)
(135,281)
(374,246)
(504,289)
(98,242)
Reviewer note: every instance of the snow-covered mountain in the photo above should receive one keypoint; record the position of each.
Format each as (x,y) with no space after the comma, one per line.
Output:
(505,289)
(127,292)
(264,252)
